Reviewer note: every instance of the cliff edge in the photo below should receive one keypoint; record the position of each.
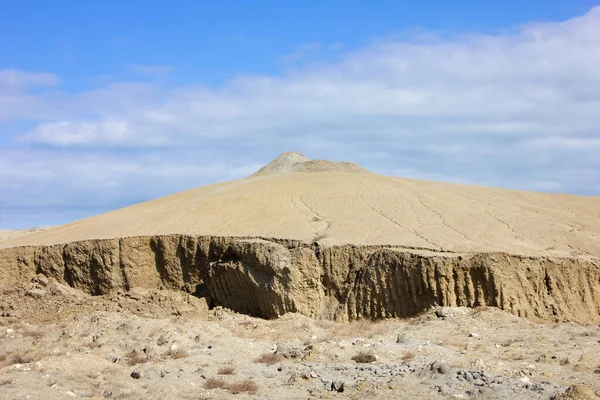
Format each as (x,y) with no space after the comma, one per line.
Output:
(333,240)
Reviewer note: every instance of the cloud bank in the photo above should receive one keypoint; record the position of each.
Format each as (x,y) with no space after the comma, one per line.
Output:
(519,110)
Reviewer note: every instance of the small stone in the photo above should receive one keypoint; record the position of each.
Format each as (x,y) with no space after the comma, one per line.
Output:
(162,341)
(35,293)
(451,312)
(402,338)
(136,374)
(288,351)
(42,280)
(473,334)
(337,386)
(292,379)
(70,394)
(435,366)
(478,382)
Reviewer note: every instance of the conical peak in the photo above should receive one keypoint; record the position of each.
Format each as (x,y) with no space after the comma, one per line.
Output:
(296,162)
(289,158)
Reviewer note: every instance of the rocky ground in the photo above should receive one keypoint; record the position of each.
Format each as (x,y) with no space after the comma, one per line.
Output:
(59,343)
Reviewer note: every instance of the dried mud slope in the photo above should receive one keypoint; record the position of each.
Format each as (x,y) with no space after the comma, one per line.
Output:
(332,240)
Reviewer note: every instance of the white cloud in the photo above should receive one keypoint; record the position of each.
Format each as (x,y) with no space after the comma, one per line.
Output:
(520,110)
(15,78)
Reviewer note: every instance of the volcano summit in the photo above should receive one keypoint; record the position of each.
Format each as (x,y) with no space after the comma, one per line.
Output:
(333,240)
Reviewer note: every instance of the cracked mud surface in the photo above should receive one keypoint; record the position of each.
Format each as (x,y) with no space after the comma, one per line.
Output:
(294,198)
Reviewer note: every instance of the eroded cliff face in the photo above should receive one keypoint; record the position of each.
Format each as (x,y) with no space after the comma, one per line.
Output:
(267,278)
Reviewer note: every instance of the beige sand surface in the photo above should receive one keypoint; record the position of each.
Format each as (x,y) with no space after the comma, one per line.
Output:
(6,234)
(341,203)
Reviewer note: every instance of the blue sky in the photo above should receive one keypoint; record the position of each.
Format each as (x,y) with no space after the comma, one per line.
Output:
(108,103)
(209,42)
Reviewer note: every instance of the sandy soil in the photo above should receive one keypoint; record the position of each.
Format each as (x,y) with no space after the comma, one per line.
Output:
(340,203)
(6,234)
(58,343)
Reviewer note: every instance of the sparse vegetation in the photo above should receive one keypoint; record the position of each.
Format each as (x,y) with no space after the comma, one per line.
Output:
(247,386)
(176,353)
(408,355)
(268,358)
(135,357)
(227,370)
(390,355)
(32,333)
(215,383)
(364,357)
(20,359)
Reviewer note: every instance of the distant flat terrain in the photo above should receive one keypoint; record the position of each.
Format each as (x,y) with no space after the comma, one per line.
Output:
(6,234)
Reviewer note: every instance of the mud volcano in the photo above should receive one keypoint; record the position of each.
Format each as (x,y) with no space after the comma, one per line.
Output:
(335,241)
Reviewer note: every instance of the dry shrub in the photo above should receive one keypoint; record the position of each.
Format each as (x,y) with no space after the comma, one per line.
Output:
(227,370)
(215,383)
(21,359)
(408,355)
(135,357)
(5,382)
(247,386)
(32,333)
(364,357)
(268,358)
(177,353)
